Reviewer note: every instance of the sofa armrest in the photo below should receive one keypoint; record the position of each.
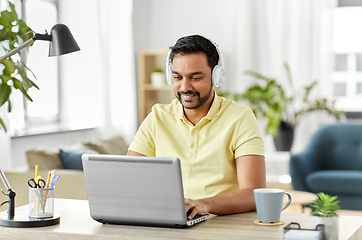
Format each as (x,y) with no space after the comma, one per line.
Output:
(300,165)
(71,184)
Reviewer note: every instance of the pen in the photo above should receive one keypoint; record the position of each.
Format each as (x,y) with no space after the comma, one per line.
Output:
(46,194)
(54,181)
(52,175)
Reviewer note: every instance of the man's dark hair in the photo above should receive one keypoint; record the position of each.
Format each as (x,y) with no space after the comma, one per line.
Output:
(196,44)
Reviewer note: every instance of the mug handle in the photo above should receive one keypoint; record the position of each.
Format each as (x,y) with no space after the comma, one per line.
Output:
(289,201)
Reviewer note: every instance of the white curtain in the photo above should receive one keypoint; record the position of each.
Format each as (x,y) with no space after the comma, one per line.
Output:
(269,33)
(117,59)
(98,82)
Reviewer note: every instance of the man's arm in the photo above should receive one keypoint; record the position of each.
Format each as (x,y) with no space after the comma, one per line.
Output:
(133,153)
(251,175)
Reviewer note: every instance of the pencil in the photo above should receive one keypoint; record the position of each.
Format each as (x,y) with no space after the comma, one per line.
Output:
(46,193)
(36,173)
(35,197)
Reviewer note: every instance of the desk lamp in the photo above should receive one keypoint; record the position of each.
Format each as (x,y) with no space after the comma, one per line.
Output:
(61,42)
(11,195)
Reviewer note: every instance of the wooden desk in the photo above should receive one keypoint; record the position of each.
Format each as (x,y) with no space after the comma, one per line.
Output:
(76,223)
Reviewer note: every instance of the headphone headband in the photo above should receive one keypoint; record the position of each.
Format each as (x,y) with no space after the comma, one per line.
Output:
(218,72)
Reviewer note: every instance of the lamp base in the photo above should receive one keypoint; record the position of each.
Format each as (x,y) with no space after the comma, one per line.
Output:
(22,220)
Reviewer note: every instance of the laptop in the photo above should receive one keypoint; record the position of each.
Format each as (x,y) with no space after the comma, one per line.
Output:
(135,190)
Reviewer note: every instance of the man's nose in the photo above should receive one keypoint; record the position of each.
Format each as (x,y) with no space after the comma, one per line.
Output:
(186,85)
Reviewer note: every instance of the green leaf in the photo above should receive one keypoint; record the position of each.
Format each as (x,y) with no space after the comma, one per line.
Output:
(24,31)
(5,34)
(3,124)
(9,17)
(9,67)
(13,11)
(4,22)
(22,72)
(5,91)
(9,106)
(19,85)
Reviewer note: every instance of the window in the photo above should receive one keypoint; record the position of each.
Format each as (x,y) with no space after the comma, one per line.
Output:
(41,16)
(45,106)
(347,75)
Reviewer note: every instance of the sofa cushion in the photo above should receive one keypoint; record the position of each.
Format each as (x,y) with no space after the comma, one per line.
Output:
(343,182)
(71,159)
(115,146)
(48,158)
(45,158)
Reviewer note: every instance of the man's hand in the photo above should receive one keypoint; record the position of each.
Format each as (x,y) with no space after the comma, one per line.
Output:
(195,207)
(251,175)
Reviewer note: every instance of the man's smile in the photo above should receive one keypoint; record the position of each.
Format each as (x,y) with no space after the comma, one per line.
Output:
(188,96)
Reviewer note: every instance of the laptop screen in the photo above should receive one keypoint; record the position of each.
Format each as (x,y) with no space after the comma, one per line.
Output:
(134,190)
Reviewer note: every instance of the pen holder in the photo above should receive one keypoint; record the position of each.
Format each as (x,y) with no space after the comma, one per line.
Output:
(41,202)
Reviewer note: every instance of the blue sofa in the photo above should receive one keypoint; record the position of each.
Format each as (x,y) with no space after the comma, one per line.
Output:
(331,163)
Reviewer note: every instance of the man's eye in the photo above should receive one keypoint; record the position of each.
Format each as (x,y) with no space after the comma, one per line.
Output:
(196,78)
(176,77)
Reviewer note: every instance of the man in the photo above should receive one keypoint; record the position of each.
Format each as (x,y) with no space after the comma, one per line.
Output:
(216,140)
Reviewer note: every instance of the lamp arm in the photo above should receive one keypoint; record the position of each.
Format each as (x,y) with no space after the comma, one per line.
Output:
(11,194)
(5,180)
(17,49)
(45,37)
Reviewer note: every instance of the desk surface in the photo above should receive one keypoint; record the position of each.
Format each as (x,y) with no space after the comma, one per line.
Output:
(76,223)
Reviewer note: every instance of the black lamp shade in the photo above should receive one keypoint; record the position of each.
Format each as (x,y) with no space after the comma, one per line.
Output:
(62,41)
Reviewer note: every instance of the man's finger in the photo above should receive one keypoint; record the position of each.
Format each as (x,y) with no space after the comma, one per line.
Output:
(192,214)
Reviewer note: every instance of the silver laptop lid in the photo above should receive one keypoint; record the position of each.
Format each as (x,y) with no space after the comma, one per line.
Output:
(134,190)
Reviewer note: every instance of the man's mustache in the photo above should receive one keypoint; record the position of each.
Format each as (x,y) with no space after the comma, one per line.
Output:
(188,93)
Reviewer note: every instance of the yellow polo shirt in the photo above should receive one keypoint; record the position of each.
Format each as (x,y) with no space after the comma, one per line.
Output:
(207,151)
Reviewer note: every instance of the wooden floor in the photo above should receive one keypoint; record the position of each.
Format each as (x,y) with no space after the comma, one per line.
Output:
(295,209)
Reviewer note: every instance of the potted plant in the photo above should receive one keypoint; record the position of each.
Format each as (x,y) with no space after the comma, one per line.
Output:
(269,100)
(14,74)
(158,77)
(324,211)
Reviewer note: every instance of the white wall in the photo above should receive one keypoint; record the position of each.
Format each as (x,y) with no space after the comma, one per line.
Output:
(159,23)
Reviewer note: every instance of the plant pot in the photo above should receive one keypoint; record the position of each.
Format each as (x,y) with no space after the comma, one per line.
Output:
(283,139)
(158,79)
(330,226)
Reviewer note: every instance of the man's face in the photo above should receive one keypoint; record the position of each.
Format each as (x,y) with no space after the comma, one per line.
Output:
(191,77)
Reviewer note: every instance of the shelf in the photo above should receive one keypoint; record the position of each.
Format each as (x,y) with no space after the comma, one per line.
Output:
(148,95)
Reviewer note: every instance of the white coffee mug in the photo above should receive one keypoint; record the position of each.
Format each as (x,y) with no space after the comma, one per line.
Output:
(269,204)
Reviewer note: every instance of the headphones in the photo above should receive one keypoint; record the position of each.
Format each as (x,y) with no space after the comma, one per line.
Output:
(218,73)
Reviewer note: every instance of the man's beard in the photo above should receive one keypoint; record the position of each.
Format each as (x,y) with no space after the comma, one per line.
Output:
(201,101)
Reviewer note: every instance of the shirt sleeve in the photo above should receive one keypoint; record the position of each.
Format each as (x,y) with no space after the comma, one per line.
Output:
(144,142)
(248,139)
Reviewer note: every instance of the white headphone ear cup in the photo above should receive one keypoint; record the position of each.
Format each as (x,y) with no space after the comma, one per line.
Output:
(218,75)
(169,73)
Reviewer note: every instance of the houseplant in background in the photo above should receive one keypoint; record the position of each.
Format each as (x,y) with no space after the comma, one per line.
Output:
(13,72)
(158,77)
(283,112)
(324,211)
